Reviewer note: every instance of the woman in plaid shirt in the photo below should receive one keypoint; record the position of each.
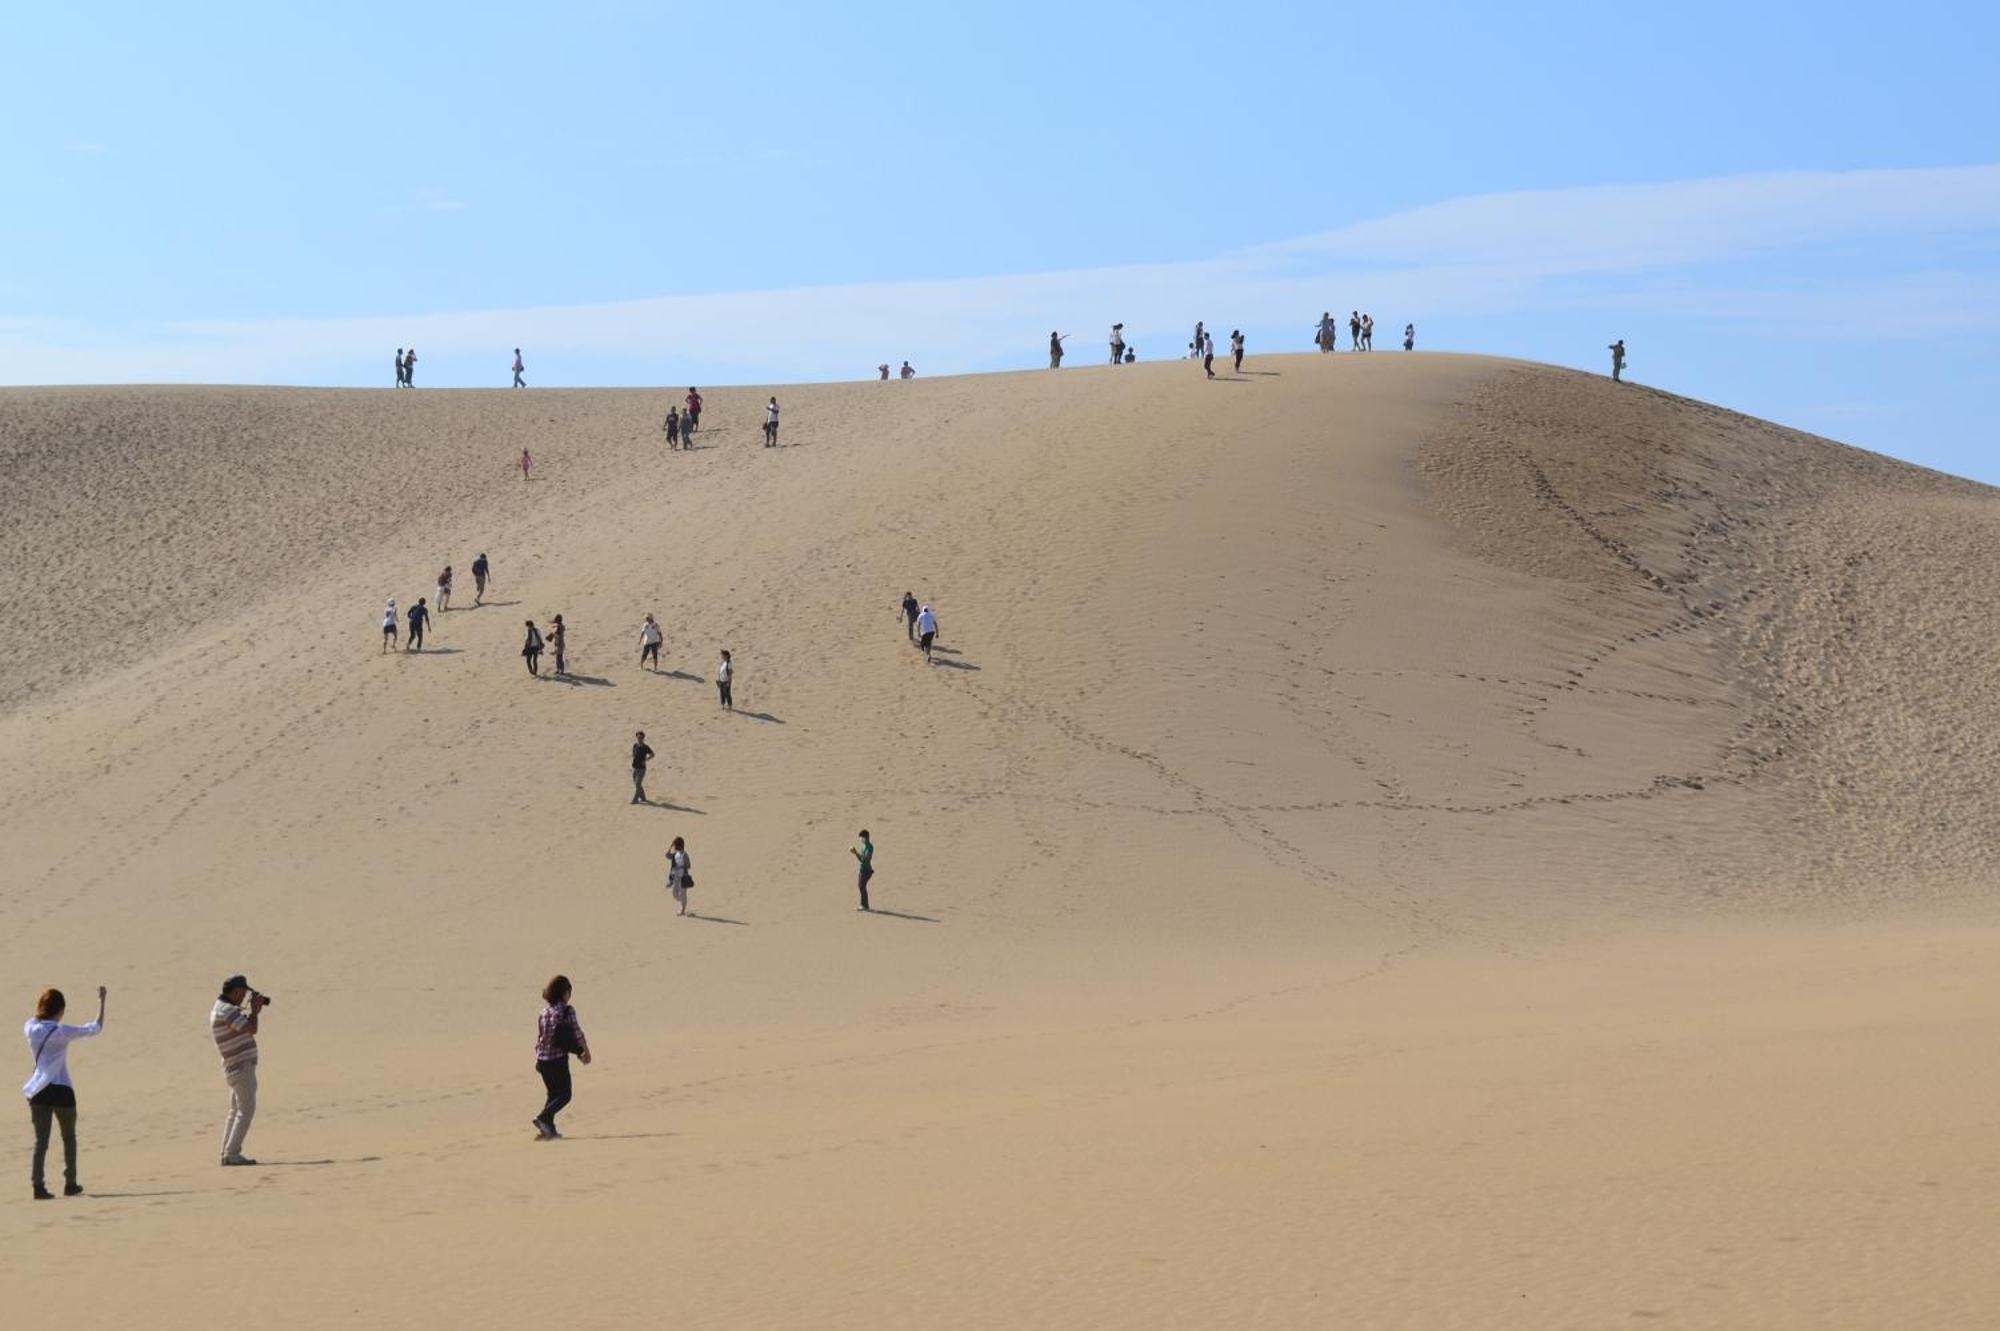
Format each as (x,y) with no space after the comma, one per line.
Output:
(558,1034)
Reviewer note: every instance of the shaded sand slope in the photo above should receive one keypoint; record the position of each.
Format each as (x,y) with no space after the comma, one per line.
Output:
(1339,784)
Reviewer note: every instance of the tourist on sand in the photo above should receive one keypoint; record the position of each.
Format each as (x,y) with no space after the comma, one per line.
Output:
(1324,333)
(50,1093)
(419,615)
(1409,337)
(927,628)
(691,419)
(1117,343)
(1055,349)
(680,873)
(519,382)
(865,852)
(641,755)
(883,369)
(725,679)
(558,1034)
(1368,332)
(410,368)
(910,609)
(771,423)
(526,462)
(531,650)
(1354,330)
(1618,361)
(235,1032)
(1208,354)
(1236,348)
(444,590)
(390,623)
(1131,354)
(906,372)
(481,570)
(558,639)
(673,427)
(649,644)
(399,367)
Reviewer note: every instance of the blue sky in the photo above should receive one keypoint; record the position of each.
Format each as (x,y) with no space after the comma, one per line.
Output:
(1791,209)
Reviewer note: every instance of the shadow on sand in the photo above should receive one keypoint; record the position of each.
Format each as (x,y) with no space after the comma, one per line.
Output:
(574,678)
(761,716)
(668,806)
(955,665)
(904,915)
(717,919)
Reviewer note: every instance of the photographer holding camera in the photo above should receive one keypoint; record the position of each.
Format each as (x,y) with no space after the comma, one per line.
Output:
(235,1030)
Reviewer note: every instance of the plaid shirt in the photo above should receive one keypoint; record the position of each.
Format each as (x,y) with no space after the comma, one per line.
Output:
(556,1017)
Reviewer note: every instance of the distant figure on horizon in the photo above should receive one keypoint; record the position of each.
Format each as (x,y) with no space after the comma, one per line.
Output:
(390,624)
(558,1034)
(1131,354)
(1368,332)
(884,368)
(526,463)
(1200,337)
(531,650)
(906,372)
(51,1095)
(927,627)
(642,754)
(725,679)
(481,570)
(519,382)
(1324,333)
(649,644)
(1236,347)
(1618,361)
(673,427)
(444,590)
(1208,354)
(1409,337)
(419,616)
(910,609)
(1055,349)
(1117,343)
(410,368)
(680,872)
(558,640)
(771,423)
(691,421)
(1354,330)
(865,853)
(400,369)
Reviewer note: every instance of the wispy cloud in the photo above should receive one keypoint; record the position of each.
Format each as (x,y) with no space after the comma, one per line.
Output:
(1846,242)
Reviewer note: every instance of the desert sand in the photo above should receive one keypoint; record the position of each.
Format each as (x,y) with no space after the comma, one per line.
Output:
(1419,841)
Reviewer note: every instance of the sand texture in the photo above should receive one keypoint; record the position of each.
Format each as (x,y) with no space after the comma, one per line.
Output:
(1386,840)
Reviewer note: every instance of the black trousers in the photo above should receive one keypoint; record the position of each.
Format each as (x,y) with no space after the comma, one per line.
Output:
(555,1078)
(722,687)
(649,652)
(417,636)
(44,1117)
(862,882)
(534,660)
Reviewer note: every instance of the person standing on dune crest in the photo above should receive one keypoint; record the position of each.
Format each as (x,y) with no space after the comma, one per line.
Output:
(399,367)
(1117,344)
(1618,361)
(410,368)
(1236,347)
(1055,351)
(1409,337)
(519,382)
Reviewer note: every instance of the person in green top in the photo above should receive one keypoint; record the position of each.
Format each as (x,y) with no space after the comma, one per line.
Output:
(865,852)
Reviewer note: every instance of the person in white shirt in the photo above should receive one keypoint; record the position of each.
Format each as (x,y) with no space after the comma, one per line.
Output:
(927,627)
(649,644)
(725,677)
(389,626)
(771,423)
(50,1094)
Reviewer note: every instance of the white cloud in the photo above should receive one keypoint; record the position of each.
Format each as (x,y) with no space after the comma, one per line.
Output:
(1594,247)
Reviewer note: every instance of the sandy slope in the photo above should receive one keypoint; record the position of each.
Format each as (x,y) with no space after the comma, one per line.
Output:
(1394,840)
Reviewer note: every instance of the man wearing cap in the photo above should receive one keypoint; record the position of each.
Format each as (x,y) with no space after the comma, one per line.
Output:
(235,1032)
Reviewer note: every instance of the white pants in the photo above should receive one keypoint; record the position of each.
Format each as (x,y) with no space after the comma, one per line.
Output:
(242,1108)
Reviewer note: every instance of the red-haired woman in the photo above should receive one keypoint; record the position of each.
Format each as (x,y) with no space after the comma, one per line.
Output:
(51,1095)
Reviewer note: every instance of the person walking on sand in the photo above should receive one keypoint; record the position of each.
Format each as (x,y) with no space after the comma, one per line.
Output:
(649,644)
(1200,336)
(531,650)
(51,1095)
(1208,354)
(558,1034)
(444,590)
(771,423)
(725,680)
(410,368)
(1368,332)
(390,623)
(927,627)
(558,639)
(519,382)
(419,615)
(1055,349)
(1117,343)
(641,755)
(1324,333)
(691,421)
(526,462)
(1236,348)
(481,570)
(680,872)
(1354,330)
(865,853)
(399,367)
(1618,361)
(234,1029)
(910,609)
(673,427)
(1409,337)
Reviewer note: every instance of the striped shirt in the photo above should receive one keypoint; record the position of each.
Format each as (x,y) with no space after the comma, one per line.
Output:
(234,1040)
(555,1018)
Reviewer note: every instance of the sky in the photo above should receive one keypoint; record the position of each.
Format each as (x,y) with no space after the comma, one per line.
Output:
(1789,209)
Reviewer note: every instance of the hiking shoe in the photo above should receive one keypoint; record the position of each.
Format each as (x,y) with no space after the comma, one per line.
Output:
(42,1194)
(543,1131)
(72,1190)
(237,1160)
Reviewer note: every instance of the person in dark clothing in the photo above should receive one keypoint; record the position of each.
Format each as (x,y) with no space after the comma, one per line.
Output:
(725,681)
(641,755)
(691,421)
(531,650)
(557,636)
(420,615)
(399,367)
(673,427)
(910,609)
(480,571)
(865,853)
(1618,361)
(1055,352)
(410,368)
(558,1034)
(1236,347)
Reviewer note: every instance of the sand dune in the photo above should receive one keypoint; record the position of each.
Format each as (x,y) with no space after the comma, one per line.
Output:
(1395,840)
